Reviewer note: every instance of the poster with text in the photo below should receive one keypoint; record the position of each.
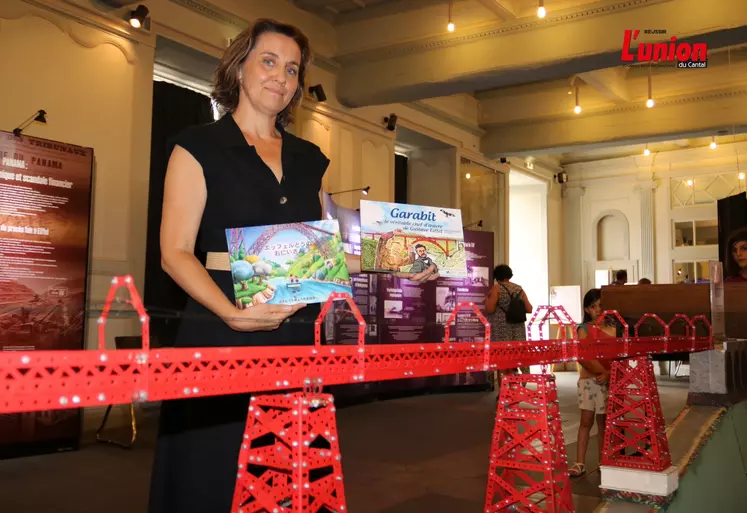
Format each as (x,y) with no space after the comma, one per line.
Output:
(399,238)
(45,204)
(449,292)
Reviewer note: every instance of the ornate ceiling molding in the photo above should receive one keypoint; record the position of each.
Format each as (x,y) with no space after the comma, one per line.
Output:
(447,118)
(81,28)
(212,11)
(467,35)
(217,14)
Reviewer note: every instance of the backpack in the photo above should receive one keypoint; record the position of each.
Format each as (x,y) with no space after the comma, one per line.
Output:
(516,313)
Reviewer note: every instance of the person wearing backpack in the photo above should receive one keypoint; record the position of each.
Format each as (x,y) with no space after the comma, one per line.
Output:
(507,307)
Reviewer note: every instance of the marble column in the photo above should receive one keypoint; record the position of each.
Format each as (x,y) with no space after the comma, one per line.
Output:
(648,255)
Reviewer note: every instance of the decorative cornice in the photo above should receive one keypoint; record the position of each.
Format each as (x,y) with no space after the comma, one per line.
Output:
(467,36)
(84,28)
(347,118)
(215,13)
(436,113)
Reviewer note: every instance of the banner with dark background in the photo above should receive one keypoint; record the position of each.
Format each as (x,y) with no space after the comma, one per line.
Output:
(45,205)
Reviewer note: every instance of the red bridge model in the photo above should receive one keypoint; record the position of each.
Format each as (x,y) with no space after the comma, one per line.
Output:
(527,439)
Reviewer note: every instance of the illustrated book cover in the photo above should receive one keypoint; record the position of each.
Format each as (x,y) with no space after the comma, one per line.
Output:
(411,238)
(287,264)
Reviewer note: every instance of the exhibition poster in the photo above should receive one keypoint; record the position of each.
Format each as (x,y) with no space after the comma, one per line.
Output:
(287,264)
(410,239)
(45,204)
(474,288)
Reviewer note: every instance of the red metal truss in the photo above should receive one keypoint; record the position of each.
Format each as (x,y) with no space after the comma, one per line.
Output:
(289,459)
(45,380)
(528,466)
(635,435)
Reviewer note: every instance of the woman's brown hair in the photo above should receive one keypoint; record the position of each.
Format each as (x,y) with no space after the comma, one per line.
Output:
(227,84)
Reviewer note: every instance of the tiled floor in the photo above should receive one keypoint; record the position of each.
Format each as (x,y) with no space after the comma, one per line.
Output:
(424,454)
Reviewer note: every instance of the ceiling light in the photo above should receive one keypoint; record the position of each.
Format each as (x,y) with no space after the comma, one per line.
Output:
(541,11)
(577,108)
(689,183)
(650,101)
(713,144)
(468,176)
(646,151)
(138,16)
(741,176)
(450,26)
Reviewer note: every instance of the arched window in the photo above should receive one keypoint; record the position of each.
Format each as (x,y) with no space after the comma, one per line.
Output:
(611,236)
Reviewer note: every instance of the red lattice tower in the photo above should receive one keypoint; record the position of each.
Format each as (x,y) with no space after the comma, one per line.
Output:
(290,456)
(634,418)
(568,348)
(527,457)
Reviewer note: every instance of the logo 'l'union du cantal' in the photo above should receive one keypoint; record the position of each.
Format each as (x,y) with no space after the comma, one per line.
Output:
(684,54)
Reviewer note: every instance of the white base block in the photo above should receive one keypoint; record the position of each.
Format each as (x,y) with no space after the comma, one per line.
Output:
(640,481)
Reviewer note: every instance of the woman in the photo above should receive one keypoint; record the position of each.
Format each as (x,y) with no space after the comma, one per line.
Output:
(736,259)
(243,170)
(497,304)
(593,385)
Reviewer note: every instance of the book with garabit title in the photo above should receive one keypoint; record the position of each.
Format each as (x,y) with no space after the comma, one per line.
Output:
(287,264)
(410,238)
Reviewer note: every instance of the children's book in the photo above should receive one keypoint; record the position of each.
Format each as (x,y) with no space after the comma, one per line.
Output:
(287,264)
(411,239)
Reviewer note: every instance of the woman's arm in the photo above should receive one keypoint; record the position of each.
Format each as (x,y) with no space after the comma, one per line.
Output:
(184,197)
(491,302)
(527,304)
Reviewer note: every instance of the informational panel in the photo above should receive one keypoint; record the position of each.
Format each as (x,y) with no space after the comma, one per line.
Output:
(449,292)
(569,297)
(45,204)
(399,311)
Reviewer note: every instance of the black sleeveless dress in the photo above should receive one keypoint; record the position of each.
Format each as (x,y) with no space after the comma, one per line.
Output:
(198,442)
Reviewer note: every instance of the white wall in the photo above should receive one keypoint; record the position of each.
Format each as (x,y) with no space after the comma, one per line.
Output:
(617,184)
(528,241)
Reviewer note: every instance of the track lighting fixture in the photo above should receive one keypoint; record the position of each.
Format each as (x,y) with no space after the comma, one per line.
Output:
(39,116)
(318,92)
(138,16)
(391,122)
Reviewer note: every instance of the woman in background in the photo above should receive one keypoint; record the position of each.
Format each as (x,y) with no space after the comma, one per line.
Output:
(497,304)
(593,384)
(736,258)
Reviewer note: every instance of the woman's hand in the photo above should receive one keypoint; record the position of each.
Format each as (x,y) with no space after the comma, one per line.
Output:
(262,317)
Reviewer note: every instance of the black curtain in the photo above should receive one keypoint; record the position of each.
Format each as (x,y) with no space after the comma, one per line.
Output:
(174,109)
(732,214)
(400,179)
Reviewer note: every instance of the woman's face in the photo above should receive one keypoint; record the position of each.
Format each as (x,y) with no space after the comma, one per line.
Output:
(595,310)
(739,250)
(269,75)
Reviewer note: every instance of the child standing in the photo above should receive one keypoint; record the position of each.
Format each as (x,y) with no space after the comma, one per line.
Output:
(593,384)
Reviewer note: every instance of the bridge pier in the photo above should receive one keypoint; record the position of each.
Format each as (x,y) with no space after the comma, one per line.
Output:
(289,459)
(636,464)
